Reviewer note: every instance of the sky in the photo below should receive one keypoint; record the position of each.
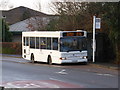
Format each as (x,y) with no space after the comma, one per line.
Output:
(33,4)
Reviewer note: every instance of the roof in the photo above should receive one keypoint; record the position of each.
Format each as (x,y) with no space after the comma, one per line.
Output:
(30,24)
(15,15)
(19,27)
(49,33)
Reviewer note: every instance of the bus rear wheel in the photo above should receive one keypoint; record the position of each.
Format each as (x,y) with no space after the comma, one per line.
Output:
(32,58)
(49,60)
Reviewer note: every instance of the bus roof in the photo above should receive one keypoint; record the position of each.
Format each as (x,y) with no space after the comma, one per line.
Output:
(47,33)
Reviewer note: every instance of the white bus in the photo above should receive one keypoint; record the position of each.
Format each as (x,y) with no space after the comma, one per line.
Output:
(55,46)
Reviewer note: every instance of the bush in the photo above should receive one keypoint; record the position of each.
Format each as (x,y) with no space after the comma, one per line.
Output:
(11,48)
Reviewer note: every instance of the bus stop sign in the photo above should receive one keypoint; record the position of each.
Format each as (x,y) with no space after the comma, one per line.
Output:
(97,23)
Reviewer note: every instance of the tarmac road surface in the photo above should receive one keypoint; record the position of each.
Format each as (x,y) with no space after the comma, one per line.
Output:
(19,73)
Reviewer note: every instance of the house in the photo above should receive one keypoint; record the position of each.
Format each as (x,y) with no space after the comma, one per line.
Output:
(28,25)
(24,19)
(17,29)
(19,14)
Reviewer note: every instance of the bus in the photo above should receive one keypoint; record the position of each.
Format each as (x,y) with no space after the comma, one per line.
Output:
(55,46)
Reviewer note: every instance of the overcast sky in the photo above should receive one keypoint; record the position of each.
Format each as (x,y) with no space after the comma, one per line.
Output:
(33,4)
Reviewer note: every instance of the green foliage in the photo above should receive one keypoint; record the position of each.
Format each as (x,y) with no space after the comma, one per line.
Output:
(111,18)
(0,30)
(6,36)
(10,48)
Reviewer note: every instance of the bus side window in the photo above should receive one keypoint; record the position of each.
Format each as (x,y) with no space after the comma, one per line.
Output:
(55,43)
(49,43)
(27,41)
(32,42)
(43,43)
(37,42)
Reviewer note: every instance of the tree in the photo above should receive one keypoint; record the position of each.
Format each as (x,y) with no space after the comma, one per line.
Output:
(79,15)
(0,30)
(111,17)
(52,25)
(37,22)
(68,15)
(6,35)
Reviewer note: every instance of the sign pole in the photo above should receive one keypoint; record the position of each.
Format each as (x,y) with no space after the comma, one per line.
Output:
(94,43)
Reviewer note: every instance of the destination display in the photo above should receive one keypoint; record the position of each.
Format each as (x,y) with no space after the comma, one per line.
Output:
(73,34)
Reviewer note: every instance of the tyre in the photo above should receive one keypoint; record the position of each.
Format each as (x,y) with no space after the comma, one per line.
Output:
(49,60)
(32,58)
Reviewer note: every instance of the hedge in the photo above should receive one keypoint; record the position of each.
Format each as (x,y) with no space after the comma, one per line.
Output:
(11,48)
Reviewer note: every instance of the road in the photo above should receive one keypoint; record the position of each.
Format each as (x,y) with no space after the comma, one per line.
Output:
(19,73)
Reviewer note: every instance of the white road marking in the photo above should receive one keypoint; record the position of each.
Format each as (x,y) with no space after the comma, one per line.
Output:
(10,85)
(56,66)
(53,86)
(26,85)
(105,74)
(55,79)
(62,72)
(34,84)
(30,85)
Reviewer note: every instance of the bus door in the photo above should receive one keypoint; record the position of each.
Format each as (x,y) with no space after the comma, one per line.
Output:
(26,46)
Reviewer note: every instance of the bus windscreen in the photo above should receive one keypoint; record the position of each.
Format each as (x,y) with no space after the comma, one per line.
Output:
(73,44)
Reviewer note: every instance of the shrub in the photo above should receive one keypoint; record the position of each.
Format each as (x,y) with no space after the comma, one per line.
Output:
(11,48)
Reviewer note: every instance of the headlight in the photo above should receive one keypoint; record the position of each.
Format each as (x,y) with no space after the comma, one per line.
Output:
(63,58)
(84,57)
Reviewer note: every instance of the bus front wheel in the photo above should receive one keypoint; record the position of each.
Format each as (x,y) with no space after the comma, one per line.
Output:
(32,58)
(49,60)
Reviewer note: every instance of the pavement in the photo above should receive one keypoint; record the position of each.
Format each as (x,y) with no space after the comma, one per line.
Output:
(106,65)
(96,64)
(10,55)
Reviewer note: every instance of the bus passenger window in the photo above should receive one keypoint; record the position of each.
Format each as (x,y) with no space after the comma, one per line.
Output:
(43,43)
(37,42)
(49,43)
(32,42)
(55,43)
(27,41)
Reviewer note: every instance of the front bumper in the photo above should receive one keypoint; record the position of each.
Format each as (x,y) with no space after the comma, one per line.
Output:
(74,61)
